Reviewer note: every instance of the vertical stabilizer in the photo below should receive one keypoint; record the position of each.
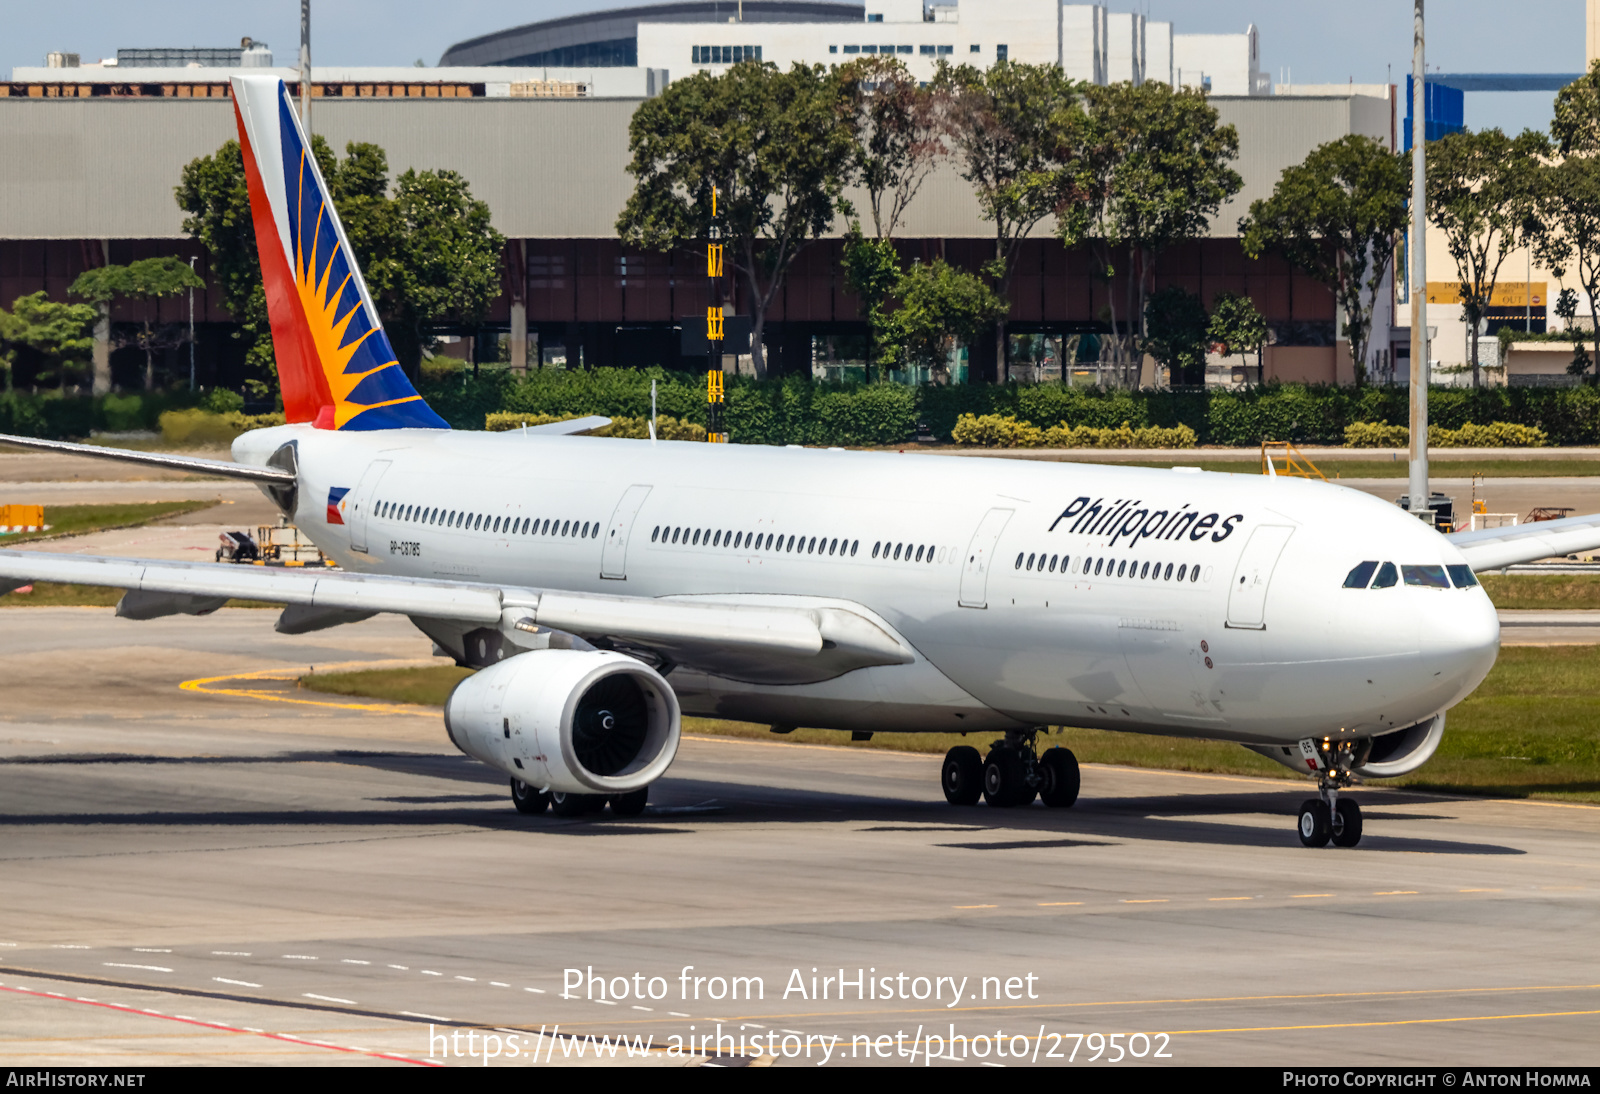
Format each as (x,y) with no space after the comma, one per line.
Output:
(335,365)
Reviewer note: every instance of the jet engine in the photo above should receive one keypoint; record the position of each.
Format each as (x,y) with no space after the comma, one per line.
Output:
(572,721)
(1403,751)
(1398,752)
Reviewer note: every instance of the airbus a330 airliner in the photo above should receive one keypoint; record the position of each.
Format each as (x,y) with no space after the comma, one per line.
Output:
(603,587)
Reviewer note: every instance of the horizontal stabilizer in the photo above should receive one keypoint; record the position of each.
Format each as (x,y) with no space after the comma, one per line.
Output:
(569,427)
(225,468)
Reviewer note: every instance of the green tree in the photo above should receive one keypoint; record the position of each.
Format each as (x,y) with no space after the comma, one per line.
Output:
(150,280)
(774,147)
(1482,191)
(1017,134)
(939,307)
(1568,233)
(1157,166)
(445,265)
(898,126)
(56,335)
(428,251)
(871,272)
(1567,220)
(1337,216)
(1176,329)
(1237,326)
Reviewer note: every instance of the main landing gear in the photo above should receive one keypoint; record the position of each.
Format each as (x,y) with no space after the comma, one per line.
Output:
(1012,774)
(1330,818)
(532,801)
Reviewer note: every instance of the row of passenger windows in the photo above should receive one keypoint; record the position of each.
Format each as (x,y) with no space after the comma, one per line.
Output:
(770,541)
(1108,567)
(1425,577)
(481,522)
(753,541)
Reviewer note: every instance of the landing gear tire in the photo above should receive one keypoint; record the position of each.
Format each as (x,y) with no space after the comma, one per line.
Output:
(1315,825)
(574,805)
(529,800)
(1345,823)
(1005,780)
(1059,768)
(963,776)
(630,804)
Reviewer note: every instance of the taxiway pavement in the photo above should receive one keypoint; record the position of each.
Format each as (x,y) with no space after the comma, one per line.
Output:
(239,871)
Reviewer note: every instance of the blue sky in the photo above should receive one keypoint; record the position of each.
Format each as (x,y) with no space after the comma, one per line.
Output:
(1368,41)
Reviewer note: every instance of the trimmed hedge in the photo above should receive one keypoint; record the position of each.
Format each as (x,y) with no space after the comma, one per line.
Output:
(800,411)
(1004,431)
(1493,435)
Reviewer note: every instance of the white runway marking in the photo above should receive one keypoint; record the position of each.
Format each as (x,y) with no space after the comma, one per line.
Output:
(148,968)
(240,983)
(429,1017)
(328,998)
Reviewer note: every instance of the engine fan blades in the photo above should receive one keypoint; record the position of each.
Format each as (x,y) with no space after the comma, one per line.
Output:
(610,725)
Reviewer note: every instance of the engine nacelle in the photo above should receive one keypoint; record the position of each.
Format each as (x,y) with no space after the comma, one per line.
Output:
(574,721)
(1385,756)
(1403,751)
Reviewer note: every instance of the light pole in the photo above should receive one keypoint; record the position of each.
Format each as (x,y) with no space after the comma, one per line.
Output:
(191,329)
(1418,499)
(305,65)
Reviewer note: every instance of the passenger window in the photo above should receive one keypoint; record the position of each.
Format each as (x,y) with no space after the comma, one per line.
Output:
(1194,573)
(1462,576)
(1426,577)
(919,554)
(1099,563)
(1168,575)
(853,547)
(1361,576)
(1030,561)
(1122,567)
(1181,570)
(1145,570)
(696,542)
(1388,576)
(790,546)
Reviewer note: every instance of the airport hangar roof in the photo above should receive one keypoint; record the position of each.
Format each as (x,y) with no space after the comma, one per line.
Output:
(601,38)
(105,168)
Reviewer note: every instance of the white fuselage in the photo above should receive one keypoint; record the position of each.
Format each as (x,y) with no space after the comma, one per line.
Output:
(1028,589)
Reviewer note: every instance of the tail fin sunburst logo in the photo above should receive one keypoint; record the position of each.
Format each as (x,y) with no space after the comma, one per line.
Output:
(335,364)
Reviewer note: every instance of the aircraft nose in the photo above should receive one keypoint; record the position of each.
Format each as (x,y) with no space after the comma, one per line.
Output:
(1460,639)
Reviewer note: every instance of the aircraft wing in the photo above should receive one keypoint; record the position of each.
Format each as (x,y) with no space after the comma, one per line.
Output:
(1494,548)
(807,640)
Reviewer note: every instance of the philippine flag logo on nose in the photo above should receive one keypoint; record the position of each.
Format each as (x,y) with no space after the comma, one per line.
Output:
(335,496)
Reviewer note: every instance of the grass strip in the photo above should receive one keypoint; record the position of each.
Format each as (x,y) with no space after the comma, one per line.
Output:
(51,594)
(77,520)
(1532,730)
(1543,591)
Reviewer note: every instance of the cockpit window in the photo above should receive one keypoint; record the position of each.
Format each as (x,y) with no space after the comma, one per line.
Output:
(1427,577)
(1388,576)
(1462,576)
(1361,576)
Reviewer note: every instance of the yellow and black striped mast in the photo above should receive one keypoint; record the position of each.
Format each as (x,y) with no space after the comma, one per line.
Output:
(714,327)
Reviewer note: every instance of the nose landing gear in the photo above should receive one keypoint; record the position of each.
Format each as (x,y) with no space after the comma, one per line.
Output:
(1013,774)
(1330,818)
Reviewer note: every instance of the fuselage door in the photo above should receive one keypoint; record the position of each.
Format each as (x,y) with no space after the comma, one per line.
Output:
(1247,597)
(980,555)
(614,556)
(355,514)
